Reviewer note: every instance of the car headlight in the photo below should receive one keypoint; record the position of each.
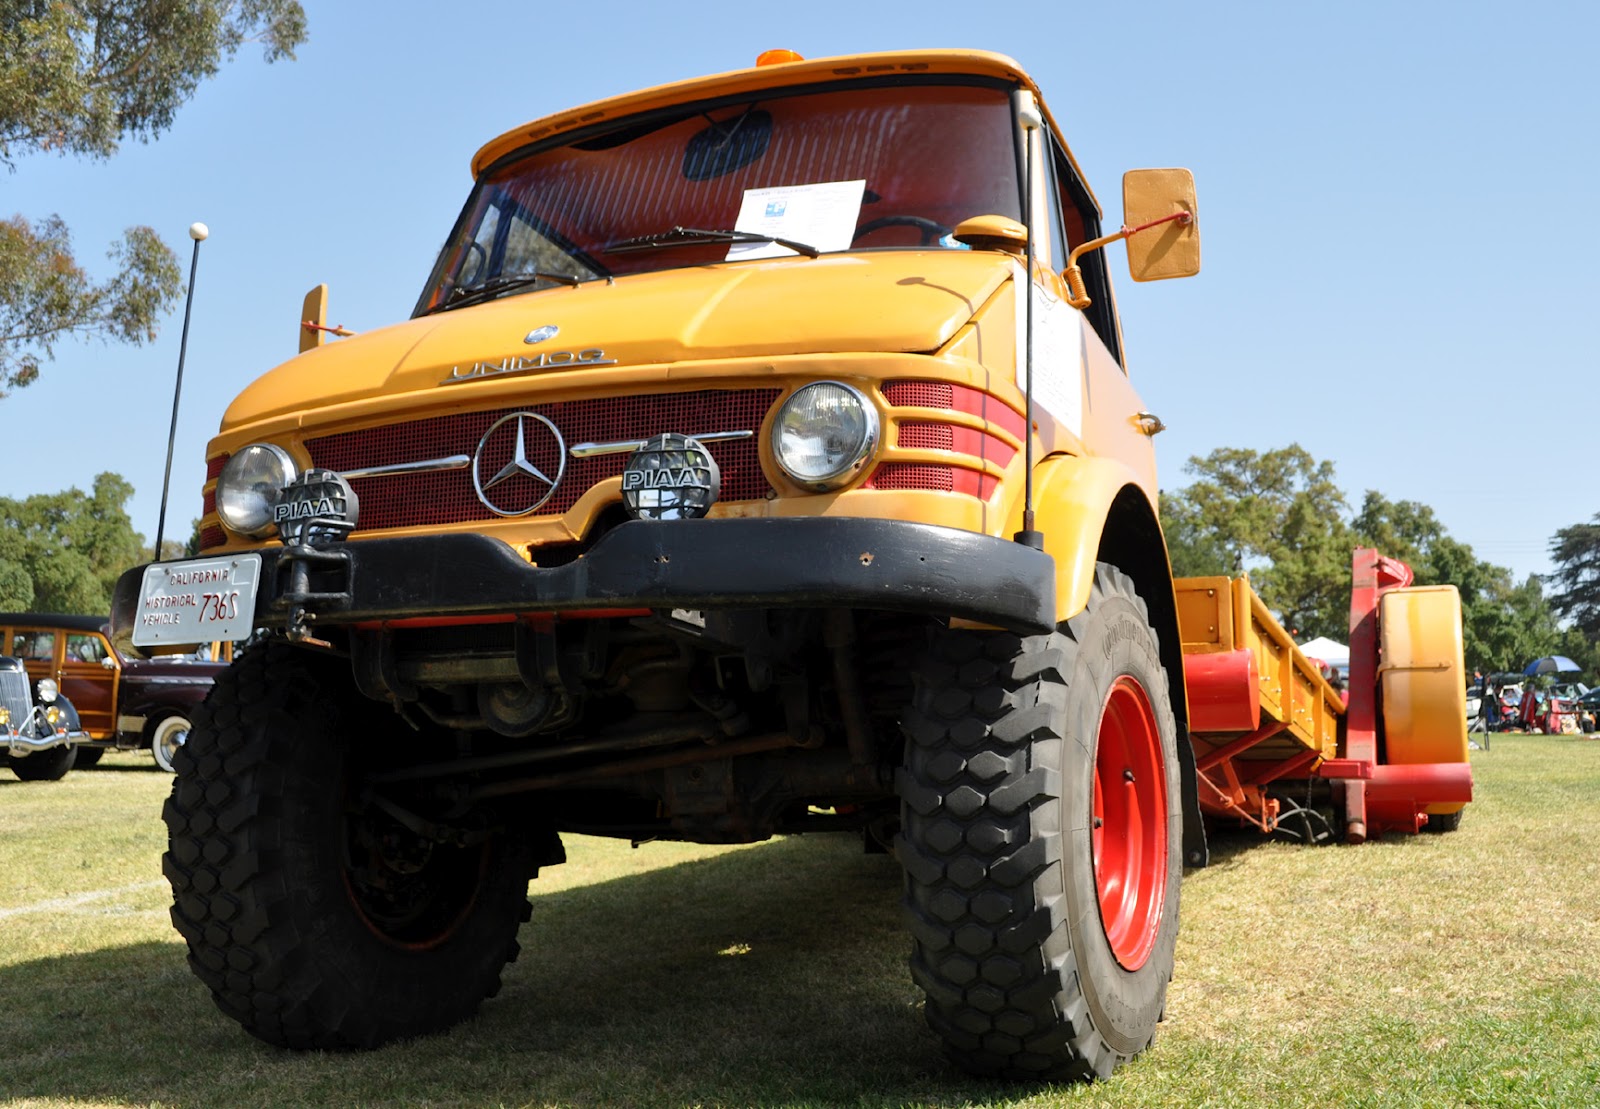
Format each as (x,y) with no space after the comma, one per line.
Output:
(250,484)
(48,690)
(823,433)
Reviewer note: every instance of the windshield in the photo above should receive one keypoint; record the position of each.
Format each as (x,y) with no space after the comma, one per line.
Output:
(896,165)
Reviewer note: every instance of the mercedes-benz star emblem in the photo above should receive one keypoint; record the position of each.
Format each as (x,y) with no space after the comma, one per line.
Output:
(540,334)
(519,479)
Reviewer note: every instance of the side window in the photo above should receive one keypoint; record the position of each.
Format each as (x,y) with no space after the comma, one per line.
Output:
(34,645)
(85,648)
(1080,222)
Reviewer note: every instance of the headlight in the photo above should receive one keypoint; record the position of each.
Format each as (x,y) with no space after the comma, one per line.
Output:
(823,433)
(250,485)
(48,690)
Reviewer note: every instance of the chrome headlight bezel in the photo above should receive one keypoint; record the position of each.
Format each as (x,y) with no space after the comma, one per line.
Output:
(853,456)
(249,486)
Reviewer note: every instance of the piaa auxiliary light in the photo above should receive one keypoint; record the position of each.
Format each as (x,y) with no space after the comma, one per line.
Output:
(670,477)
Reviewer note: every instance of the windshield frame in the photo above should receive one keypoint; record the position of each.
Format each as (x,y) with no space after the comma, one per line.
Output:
(667,115)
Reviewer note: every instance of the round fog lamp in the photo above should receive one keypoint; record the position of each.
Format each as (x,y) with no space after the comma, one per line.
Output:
(250,485)
(670,477)
(315,509)
(823,433)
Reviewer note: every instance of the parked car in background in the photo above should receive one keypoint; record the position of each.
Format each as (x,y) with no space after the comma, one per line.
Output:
(39,729)
(122,703)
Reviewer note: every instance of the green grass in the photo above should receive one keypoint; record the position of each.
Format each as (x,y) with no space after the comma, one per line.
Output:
(1424,971)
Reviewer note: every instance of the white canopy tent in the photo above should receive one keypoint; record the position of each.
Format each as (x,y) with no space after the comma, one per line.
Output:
(1336,655)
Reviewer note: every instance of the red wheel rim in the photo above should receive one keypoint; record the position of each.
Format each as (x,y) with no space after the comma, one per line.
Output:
(1130,824)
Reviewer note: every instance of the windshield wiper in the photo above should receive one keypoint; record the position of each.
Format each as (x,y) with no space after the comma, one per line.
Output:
(695,236)
(473,294)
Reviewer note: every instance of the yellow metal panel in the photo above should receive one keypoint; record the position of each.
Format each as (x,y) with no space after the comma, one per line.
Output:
(1422,675)
(1217,614)
(1205,614)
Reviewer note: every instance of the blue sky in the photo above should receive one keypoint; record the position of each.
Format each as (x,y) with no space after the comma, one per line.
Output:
(1397,203)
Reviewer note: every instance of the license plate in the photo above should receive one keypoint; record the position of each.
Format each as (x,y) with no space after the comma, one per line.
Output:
(196,602)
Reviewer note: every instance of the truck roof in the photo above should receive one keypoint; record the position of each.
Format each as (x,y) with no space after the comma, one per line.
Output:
(847,67)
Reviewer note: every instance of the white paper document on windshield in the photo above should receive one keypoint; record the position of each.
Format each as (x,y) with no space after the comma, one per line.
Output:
(822,215)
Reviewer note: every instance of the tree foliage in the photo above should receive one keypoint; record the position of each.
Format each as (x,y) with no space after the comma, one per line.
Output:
(1575,583)
(77,77)
(63,552)
(1281,516)
(45,296)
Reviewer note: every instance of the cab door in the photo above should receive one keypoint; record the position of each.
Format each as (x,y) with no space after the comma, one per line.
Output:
(89,678)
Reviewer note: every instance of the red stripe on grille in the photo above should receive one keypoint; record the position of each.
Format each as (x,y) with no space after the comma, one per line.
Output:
(926,476)
(214,466)
(409,500)
(954,398)
(210,537)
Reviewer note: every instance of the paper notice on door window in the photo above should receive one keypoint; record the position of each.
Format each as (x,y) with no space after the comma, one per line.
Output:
(822,215)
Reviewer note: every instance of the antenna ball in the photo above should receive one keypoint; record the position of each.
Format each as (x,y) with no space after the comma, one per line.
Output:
(198,231)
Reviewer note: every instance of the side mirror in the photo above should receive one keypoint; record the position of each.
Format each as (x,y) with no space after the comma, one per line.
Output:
(313,316)
(1159,246)
(314,329)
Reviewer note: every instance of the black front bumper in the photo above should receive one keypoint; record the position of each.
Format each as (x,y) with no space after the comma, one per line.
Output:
(810,562)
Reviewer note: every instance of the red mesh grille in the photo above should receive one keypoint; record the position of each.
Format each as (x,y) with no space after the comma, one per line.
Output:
(208,502)
(914,475)
(934,437)
(920,394)
(214,466)
(406,500)
(210,537)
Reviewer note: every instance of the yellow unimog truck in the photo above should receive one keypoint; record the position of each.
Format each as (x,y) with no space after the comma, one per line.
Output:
(759,459)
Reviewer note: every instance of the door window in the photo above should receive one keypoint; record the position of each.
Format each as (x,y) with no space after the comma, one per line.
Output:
(85,648)
(34,646)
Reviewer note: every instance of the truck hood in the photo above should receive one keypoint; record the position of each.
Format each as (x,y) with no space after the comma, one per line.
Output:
(888,301)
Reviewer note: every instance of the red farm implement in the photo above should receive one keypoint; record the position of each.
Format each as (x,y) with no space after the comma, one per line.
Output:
(1262,715)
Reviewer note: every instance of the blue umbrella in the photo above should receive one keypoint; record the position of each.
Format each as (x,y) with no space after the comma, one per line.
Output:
(1551,664)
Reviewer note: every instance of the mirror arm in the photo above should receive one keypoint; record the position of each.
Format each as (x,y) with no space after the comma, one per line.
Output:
(1078,297)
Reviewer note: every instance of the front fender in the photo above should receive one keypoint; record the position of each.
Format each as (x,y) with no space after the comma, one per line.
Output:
(1072,500)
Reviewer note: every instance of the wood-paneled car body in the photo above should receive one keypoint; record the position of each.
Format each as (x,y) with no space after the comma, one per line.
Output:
(123,703)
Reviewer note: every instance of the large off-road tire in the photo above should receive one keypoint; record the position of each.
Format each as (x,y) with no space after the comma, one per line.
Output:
(45,766)
(317,921)
(1042,836)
